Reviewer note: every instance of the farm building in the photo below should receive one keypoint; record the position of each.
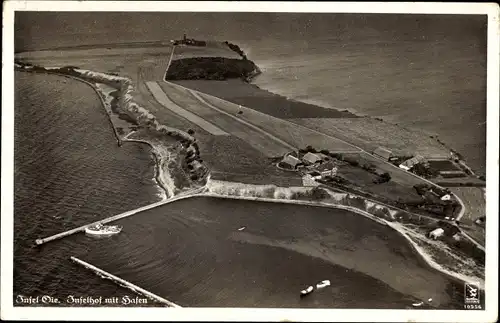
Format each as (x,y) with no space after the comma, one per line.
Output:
(436,233)
(315,175)
(409,163)
(311,158)
(446,197)
(291,161)
(383,152)
(328,169)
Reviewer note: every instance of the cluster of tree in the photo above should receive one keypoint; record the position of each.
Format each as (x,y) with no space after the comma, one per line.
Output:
(237,49)
(308,149)
(316,194)
(424,170)
(336,179)
(382,178)
(210,68)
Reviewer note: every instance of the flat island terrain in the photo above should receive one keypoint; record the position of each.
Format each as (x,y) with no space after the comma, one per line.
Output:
(238,197)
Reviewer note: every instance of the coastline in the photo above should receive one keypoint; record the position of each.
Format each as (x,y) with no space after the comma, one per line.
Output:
(233,190)
(356,114)
(164,179)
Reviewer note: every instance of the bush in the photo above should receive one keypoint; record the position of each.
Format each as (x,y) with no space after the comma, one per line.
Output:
(319,194)
(325,152)
(352,162)
(386,176)
(310,149)
(190,132)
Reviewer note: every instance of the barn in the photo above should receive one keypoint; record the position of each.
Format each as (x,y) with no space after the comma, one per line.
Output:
(409,163)
(310,159)
(383,153)
(291,162)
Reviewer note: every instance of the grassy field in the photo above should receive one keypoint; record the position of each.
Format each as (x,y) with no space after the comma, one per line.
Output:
(233,159)
(296,136)
(474,201)
(251,96)
(443,165)
(164,100)
(99,52)
(255,138)
(397,175)
(147,63)
(370,133)
(364,180)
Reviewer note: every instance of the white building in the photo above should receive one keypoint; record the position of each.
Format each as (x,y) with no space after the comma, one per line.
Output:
(446,197)
(435,234)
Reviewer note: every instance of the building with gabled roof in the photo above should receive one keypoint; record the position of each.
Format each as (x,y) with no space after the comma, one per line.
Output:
(383,152)
(409,163)
(311,158)
(291,161)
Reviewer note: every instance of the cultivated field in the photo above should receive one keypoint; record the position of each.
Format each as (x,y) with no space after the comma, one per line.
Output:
(233,159)
(296,136)
(474,200)
(164,100)
(255,138)
(475,207)
(370,133)
(98,52)
(252,96)
(147,63)
(397,174)
(391,190)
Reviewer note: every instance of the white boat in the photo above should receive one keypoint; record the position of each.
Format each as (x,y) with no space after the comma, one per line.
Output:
(103,230)
(323,284)
(306,291)
(418,304)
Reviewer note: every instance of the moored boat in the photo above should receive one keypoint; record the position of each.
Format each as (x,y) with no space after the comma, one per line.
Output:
(103,230)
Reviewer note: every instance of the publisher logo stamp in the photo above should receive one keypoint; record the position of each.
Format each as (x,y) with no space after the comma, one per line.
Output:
(472,294)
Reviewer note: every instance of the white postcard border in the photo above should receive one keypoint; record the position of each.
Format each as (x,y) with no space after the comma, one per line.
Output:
(235,314)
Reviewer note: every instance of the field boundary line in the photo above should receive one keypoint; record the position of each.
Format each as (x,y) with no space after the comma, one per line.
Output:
(267,134)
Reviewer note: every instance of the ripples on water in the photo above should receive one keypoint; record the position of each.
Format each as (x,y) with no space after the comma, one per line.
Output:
(68,172)
(192,253)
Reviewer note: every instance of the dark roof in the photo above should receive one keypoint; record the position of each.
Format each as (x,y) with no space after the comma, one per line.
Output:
(291,160)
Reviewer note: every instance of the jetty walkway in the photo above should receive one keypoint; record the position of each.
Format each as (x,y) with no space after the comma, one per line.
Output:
(121,215)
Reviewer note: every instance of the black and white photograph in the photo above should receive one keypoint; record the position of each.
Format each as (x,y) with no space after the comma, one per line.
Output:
(252,156)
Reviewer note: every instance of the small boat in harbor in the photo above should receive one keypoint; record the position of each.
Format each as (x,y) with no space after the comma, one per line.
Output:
(306,291)
(101,230)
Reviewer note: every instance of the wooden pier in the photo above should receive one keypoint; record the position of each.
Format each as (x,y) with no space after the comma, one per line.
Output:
(124,283)
(113,218)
